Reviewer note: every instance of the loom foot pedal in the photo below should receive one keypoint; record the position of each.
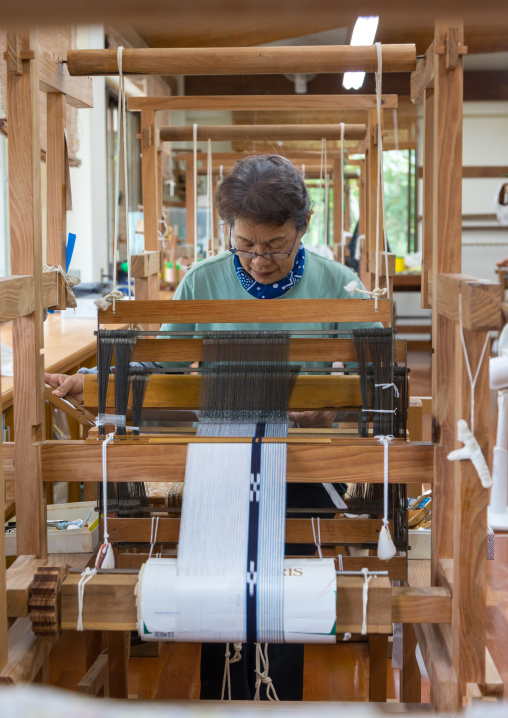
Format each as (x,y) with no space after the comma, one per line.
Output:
(44,601)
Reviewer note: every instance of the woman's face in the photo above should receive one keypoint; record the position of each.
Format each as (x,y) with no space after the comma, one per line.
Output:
(261,238)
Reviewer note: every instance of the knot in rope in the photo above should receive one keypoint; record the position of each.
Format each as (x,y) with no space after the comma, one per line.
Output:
(69,282)
(387,386)
(103,302)
(376,293)
(86,576)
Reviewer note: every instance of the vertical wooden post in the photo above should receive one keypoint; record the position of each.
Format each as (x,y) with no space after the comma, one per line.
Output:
(338,178)
(189,201)
(378,675)
(470,537)
(3,587)
(446,258)
(56,181)
(410,677)
(347,206)
(148,287)
(118,661)
(428,195)
(27,333)
(362,225)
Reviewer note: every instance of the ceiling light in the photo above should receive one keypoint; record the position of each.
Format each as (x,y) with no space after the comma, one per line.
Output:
(364,33)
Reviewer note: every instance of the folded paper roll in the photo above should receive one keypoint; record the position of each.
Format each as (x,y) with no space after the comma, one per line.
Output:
(310,597)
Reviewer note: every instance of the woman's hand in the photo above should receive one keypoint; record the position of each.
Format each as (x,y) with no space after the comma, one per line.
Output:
(313,419)
(66,385)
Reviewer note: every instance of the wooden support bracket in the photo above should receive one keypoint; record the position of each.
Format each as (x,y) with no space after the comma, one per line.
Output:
(423,77)
(481,301)
(145,264)
(382,263)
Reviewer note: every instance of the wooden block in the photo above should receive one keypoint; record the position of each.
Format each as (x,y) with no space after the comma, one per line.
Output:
(481,301)
(423,77)
(145,264)
(248,311)
(494,685)
(452,48)
(350,605)
(96,679)
(382,263)
(53,291)
(415,420)
(14,48)
(17,297)
(54,77)
(27,653)
(19,580)
(421,605)
(109,602)
(359,463)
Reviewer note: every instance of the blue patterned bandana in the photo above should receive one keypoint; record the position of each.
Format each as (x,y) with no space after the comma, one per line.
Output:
(272,291)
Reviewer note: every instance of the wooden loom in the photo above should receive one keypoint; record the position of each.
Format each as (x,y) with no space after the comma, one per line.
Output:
(449,616)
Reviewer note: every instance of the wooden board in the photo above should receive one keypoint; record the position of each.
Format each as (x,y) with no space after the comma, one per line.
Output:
(27,653)
(248,311)
(300,349)
(145,264)
(261,132)
(260,102)
(306,463)
(333,531)
(480,298)
(183,392)
(17,297)
(19,579)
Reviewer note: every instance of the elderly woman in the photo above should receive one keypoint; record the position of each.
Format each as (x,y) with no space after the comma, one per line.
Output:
(266,204)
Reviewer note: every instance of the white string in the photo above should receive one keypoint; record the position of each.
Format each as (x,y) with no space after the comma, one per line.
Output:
(262,675)
(472,380)
(317,540)
(303,171)
(341,562)
(222,239)
(387,386)
(195,188)
(327,190)
(153,534)
(123,122)
(385,440)
(209,200)
(382,411)
(105,443)
(110,419)
(226,680)
(342,228)
(117,183)
(86,576)
(365,596)
(319,217)
(380,211)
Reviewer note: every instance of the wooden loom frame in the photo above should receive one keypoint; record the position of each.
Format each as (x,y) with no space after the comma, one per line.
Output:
(453,645)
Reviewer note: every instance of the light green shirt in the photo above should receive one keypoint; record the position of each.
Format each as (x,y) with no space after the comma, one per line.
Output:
(216,278)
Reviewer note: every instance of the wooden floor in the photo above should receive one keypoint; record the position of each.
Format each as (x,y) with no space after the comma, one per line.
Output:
(332,672)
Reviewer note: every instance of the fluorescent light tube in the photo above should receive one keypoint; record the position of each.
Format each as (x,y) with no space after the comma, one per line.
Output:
(364,33)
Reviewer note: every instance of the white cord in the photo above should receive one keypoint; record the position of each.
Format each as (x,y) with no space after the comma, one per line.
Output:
(123,123)
(342,235)
(209,200)
(262,675)
(385,440)
(317,539)
(105,443)
(86,576)
(367,580)
(226,679)
(153,534)
(472,380)
(395,129)
(387,386)
(195,188)
(380,211)
(327,190)
(341,562)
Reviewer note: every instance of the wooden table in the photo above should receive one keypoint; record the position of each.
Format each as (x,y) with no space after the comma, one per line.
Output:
(68,344)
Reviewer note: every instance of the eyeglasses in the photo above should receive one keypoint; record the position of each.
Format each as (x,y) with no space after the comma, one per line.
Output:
(267,255)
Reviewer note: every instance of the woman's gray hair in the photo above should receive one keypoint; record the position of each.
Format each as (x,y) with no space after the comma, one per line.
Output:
(264,189)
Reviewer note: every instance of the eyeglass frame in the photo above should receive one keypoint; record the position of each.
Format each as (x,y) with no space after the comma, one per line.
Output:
(266,255)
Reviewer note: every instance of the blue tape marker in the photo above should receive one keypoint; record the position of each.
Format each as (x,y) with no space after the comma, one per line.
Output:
(71,242)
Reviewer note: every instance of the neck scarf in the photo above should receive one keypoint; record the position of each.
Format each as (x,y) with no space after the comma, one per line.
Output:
(277,289)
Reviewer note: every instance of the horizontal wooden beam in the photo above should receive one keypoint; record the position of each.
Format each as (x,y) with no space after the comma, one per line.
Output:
(318,463)
(145,264)
(300,349)
(243,61)
(477,172)
(481,301)
(333,531)
(310,392)
(19,579)
(262,132)
(261,102)
(247,311)
(17,297)
(54,77)
(110,604)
